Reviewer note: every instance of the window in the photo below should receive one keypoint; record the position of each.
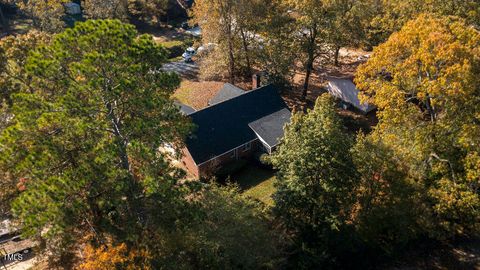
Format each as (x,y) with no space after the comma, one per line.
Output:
(246,147)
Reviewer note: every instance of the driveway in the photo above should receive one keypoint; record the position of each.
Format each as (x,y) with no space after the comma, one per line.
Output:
(184,70)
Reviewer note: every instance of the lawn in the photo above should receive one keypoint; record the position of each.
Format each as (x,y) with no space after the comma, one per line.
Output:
(256,182)
(170,44)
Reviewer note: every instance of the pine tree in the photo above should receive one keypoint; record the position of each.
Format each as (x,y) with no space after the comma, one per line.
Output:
(84,140)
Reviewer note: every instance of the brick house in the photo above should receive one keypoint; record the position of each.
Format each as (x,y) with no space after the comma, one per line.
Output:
(235,129)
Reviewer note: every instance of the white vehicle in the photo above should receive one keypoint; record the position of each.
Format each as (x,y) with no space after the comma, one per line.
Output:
(187,55)
(206,48)
(195,31)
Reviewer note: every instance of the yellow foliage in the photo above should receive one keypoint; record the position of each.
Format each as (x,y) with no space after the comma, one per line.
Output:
(425,81)
(112,257)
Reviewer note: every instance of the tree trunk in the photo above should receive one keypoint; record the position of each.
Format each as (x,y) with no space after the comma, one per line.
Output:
(247,56)
(309,69)
(182,4)
(430,109)
(4,21)
(231,59)
(337,52)
(311,51)
(121,141)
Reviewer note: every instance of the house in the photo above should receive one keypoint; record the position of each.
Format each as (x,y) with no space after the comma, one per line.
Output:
(227,92)
(346,90)
(269,129)
(184,109)
(235,129)
(72,8)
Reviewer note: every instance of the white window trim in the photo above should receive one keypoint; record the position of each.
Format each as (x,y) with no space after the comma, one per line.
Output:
(246,147)
(233,153)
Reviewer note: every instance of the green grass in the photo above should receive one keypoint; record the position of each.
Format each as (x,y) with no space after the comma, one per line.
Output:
(175,59)
(171,43)
(256,182)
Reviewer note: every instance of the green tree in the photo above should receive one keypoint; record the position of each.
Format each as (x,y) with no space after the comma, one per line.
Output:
(233,26)
(311,21)
(276,55)
(315,181)
(424,80)
(228,231)
(14,51)
(106,9)
(216,18)
(148,10)
(388,16)
(346,28)
(232,232)
(85,139)
(46,15)
(387,213)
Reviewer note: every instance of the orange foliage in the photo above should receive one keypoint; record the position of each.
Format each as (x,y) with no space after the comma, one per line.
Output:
(112,257)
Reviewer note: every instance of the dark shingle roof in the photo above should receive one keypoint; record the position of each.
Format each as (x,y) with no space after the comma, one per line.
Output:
(224,126)
(270,127)
(227,92)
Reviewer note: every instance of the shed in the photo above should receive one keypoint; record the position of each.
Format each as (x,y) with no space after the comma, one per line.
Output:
(346,90)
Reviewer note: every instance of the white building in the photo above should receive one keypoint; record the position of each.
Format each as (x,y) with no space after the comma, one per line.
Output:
(346,90)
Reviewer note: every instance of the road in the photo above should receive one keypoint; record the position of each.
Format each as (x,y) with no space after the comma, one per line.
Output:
(184,70)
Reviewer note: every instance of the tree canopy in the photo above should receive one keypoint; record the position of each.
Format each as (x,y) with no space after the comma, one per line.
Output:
(84,140)
(315,179)
(424,80)
(13,80)
(85,114)
(388,16)
(81,152)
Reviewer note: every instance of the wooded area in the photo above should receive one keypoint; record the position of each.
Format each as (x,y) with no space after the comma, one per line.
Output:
(84,110)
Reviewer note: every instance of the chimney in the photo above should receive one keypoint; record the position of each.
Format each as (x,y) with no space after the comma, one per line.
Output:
(257,80)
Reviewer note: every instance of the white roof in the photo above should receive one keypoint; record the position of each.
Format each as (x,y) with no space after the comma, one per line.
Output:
(72,8)
(345,90)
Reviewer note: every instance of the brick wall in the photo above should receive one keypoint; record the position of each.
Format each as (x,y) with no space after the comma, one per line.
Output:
(189,164)
(208,168)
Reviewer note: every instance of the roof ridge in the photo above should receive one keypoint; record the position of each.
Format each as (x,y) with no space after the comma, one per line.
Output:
(232,99)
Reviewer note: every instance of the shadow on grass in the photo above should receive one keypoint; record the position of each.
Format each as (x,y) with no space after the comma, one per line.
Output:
(256,182)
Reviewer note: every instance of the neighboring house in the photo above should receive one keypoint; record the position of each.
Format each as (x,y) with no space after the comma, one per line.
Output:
(346,90)
(235,129)
(227,92)
(72,8)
